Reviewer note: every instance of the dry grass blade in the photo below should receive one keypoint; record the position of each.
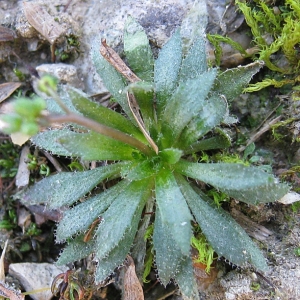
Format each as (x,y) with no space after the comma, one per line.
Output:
(115,60)
(5,291)
(132,287)
(135,109)
(39,18)
(6,89)
(2,273)
(6,34)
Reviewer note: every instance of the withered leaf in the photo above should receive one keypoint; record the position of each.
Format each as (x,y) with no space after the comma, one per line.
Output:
(7,88)
(132,287)
(135,109)
(6,34)
(116,61)
(45,24)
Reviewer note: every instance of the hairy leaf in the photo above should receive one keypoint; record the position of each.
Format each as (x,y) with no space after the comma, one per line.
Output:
(48,140)
(137,49)
(194,24)
(166,70)
(223,233)
(168,254)
(95,146)
(80,217)
(185,103)
(117,255)
(66,188)
(170,155)
(194,64)
(173,210)
(125,207)
(144,95)
(209,116)
(76,250)
(186,280)
(232,82)
(142,170)
(220,141)
(247,184)
(111,78)
(103,115)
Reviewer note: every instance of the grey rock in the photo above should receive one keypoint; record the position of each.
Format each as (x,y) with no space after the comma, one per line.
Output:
(33,276)
(236,284)
(65,73)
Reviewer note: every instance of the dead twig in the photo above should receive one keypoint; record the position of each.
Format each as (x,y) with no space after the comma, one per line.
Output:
(257,134)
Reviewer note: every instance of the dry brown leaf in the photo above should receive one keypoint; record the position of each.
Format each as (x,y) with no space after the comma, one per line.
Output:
(253,229)
(135,109)
(132,287)
(116,61)
(7,88)
(6,34)
(45,24)
(10,293)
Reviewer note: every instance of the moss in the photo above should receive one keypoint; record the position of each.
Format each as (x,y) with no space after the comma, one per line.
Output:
(281,26)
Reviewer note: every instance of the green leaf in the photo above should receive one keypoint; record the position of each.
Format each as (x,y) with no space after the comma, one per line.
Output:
(103,115)
(232,82)
(173,210)
(220,141)
(137,50)
(66,188)
(185,279)
(80,217)
(95,146)
(117,255)
(194,24)
(48,140)
(144,95)
(166,70)
(249,150)
(194,64)
(170,155)
(248,184)
(186,102)
(52,105)
(142,170)
(226,237)
(209,116)
(168,254)
(75,250)
(118,217)
(111,78)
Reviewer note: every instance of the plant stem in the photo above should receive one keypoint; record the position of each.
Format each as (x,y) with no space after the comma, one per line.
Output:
(100,128)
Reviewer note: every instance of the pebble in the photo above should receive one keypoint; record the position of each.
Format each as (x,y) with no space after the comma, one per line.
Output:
(64,72)
(34,276)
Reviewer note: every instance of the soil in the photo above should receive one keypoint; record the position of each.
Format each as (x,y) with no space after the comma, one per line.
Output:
(84,19)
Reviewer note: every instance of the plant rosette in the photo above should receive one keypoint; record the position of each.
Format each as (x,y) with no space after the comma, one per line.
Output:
(169,104)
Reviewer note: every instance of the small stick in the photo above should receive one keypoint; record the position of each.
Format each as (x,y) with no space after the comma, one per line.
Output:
(54,161)
(100,128)
(257,135)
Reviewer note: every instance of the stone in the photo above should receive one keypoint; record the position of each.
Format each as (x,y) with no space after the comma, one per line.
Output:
(64,72)
(34,276)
